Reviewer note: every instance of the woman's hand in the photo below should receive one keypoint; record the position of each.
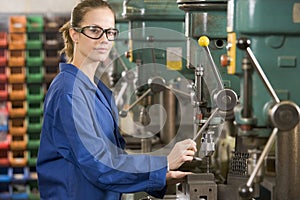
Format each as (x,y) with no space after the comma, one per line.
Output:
(174,177)
(182,152)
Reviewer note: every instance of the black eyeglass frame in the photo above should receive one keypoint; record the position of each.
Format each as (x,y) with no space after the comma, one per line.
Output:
(81,30)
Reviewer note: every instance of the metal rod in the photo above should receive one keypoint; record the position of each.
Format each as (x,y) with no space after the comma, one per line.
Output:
(205,124)
(264,153)
(262,75)
(197,158)
(122,63)
(178,91)
(121,92)
(119,58)
(214,68)
(247,100)
(139,99)
(207,164)
(199,83)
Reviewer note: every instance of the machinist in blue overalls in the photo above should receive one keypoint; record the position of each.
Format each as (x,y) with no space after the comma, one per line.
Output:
(81,154)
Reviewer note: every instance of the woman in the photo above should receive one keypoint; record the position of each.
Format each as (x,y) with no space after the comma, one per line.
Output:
(81,152)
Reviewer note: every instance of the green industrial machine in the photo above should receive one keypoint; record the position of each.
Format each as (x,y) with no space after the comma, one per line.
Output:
(247,72)
(263,40)
(155,28)
(177,25)
(273,29)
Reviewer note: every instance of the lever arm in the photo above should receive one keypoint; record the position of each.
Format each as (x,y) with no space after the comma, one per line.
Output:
(123,113)
(205,124)
(204,42)
(247,190)
(244,44)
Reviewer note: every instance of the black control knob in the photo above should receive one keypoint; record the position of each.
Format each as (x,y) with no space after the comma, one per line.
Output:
(246,192)
(243,43)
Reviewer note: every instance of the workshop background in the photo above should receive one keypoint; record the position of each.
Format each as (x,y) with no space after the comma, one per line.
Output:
(29,58)
(222,72)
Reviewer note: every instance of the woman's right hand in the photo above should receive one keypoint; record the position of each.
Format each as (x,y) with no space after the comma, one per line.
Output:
(174,177)
(182,152)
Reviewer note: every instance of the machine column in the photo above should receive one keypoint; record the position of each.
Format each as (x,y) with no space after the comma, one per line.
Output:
(288,165)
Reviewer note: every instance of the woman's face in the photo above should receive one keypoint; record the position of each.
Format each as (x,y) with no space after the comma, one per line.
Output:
(95,50)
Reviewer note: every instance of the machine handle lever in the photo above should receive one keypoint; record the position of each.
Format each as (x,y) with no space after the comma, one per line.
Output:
(204,42)
(123,113)
(177,91)
(246,191)
(262,75)
(264,153)
(205,124)
(118,57)
(244,44)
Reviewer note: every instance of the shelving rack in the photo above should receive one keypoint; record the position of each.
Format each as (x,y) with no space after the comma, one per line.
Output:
(29,61)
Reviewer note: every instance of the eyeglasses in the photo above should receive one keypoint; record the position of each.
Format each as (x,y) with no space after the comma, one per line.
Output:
(96,32)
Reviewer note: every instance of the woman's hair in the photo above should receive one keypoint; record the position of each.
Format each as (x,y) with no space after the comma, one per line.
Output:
(77,15)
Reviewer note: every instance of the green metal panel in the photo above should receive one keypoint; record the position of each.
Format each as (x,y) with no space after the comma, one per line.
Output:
(151,10)
(267,17)
(149,35)
(151,39)
(274,31)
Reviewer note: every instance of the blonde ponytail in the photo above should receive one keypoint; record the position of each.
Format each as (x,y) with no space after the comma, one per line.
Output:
(69,45)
